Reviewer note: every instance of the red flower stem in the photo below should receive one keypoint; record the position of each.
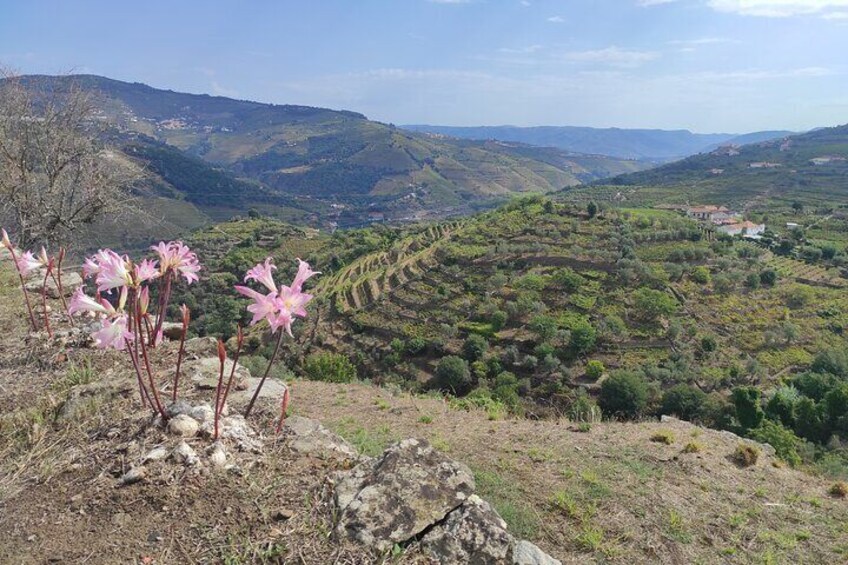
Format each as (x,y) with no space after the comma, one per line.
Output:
(180,359)
(164,298)
(232,370)
(222,361)
(140,339)
(265,376)
(142,390)
(57,278)
(23,289)
(283,408)
(44,298)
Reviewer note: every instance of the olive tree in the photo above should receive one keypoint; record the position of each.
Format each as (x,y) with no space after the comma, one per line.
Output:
(55,174)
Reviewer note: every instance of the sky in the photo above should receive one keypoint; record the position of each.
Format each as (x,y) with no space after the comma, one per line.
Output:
(709,66)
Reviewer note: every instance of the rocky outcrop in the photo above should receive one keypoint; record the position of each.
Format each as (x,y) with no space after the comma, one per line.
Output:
(70,282)
(398,495)
(412,493)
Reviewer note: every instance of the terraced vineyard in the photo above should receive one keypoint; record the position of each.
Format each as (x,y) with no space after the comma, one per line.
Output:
(368,278)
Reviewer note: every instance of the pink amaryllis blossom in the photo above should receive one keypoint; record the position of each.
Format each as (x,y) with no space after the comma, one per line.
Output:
(27,263)
(146,270)
(177,257)
(114,334)
(279,307)
(263,307)
(264,274)
(81,302)
(304,272)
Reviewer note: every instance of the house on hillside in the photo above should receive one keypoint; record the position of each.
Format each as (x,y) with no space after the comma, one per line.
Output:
(746,228)
(705,212)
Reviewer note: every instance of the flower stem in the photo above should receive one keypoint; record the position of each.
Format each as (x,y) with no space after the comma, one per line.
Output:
(239,341)
(265,376)
(23,289)
(164,297)
(142,390)
(140,339)
(222,360)
(57,278)
(180,358)
(44,298)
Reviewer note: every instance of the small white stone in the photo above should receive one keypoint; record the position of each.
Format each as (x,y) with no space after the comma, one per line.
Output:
(134,475)
(203,413)
(183,426)
(184,454)
(218,457)
(156,454)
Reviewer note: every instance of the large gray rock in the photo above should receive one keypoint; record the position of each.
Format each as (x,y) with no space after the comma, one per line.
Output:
(525,553)
(473,533)
(398,495)
(310,437)
(271,393)
(70,282)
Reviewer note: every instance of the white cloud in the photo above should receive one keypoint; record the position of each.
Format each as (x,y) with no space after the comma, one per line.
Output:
(526,50)
(525,3)
(450,1)
(556,19)
(836,16)
(776,8)
(645,3)
(612,56)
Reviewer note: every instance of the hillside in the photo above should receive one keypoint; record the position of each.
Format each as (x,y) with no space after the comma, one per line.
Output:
(303,158)
(646,144)
(72,432)
(810,168)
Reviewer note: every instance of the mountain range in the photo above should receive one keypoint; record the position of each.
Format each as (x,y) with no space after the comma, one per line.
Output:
(648,144)
(220,157)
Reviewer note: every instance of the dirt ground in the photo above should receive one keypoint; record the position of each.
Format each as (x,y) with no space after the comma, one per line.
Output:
(606,494)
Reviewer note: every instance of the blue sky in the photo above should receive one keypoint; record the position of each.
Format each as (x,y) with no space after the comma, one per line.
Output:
(705,65)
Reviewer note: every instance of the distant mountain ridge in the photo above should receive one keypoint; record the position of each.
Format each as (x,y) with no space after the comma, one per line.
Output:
(305,163)
(811,168)
(647,144)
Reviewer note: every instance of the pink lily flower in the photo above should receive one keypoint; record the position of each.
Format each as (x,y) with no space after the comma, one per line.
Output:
(114,272)
(293,301)
(81,302)
(263,274)
(114,334)
(177,256)
(144,300)
(146,271)
(263,307)
(304,272)
(27,263)
(283,319)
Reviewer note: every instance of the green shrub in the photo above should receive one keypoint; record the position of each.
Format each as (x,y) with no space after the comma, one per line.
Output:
(781,406)
(475,347)
(748,411)
(584,409)
(709,343)
(498,320)
(784,442)
(330,367)
(624,394)
(768,277)
(453,375)
(652,304)
(683,401)
(833,361)
(701,275)
(583,338)
(594,369)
